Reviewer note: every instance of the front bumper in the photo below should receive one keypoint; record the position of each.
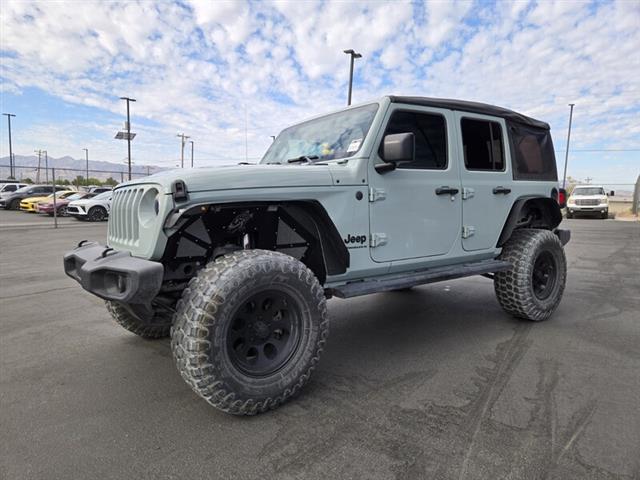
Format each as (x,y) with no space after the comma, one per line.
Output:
(114,275)
(588,208)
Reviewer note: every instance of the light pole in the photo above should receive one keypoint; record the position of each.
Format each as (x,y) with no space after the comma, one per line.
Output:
(566,155)
(353,56)
(183,139)
(9,115)
(191,141)
(128,132)
(86,156)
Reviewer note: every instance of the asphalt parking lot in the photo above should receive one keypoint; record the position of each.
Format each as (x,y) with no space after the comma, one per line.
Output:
(434,383)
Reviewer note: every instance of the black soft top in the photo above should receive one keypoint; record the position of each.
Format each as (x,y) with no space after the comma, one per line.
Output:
(473,107)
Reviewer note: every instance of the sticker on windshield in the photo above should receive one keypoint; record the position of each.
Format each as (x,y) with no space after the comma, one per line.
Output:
(354,145)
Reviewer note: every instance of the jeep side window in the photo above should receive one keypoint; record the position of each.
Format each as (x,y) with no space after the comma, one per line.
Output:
(482,143)
(430,132)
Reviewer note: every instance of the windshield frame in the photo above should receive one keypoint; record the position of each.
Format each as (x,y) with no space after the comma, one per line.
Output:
(312,157)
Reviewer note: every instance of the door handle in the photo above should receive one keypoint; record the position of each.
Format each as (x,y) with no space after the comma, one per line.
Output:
(446,190)
(503,190)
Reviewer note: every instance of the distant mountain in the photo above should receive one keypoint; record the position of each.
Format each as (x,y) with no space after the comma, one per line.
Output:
(69,168)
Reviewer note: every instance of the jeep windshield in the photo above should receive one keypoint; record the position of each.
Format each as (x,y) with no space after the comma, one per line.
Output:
(588,191)
(334,136)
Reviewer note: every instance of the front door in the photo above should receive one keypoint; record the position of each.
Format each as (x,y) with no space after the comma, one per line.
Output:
(486,178)
(416,210)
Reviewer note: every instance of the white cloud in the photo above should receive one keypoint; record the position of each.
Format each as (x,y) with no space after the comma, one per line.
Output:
(194,67)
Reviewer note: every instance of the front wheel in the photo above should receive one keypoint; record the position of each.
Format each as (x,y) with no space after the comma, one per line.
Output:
(604,215)
(533,288)
(249,330)
(97,214)
(143,321)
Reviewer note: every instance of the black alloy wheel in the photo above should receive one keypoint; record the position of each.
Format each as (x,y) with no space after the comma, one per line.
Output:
(97,214)
(264,333)
(544,275)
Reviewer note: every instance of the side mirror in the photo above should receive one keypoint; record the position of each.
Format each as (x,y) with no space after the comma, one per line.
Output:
(397,148)
(612,193)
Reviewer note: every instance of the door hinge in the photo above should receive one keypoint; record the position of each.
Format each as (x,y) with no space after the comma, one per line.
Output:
(468,231)
(378,239)
(468,193)
(376,194)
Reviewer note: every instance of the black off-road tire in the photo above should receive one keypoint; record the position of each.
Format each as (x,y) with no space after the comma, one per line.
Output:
(159,326)
(207,318)
(518,290)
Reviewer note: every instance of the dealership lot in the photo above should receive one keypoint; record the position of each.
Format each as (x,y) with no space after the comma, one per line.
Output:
(437,382)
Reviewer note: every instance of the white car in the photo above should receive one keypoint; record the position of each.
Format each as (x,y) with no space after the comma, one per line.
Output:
(95,209)
(8,188)
(588,199)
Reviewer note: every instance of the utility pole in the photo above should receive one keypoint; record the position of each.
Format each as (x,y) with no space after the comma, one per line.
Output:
(86,156)
(566,156)
(11,163)
(128,135)
(183,139)
(353,56)
(46,167)
(246,134)
(39,152)
(191,141)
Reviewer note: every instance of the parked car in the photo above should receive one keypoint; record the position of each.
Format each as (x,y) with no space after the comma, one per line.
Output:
(61,203)
(95,209)
(12,202)
(97,190)
(30,204)
(8,188)
(236,263)
(588,199)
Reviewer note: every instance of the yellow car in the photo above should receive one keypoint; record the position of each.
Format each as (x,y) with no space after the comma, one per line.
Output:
(30,204)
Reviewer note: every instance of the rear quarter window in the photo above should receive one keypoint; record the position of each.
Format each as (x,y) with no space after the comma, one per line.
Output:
(532,153)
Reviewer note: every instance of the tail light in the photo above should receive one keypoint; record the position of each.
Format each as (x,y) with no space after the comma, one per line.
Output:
(562,198)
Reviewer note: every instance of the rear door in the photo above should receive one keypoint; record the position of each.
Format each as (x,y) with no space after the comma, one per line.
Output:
(410,214)
(486,179)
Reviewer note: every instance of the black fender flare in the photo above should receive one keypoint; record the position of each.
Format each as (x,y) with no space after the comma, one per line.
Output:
(550,208)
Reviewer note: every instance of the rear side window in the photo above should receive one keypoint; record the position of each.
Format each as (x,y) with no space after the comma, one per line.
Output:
(533,155)
(10,188)
(430,133)
(482,144)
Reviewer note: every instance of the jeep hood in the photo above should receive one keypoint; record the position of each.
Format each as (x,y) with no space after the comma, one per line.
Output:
(234,177)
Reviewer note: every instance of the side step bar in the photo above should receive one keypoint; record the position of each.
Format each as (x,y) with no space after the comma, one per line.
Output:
(405,280)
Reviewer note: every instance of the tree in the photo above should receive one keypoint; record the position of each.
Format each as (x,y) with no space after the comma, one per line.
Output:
(111,181)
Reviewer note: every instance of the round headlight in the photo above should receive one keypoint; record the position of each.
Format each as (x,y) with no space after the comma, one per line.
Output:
(149,206)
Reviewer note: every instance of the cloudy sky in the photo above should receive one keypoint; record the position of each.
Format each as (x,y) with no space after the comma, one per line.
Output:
(226,71)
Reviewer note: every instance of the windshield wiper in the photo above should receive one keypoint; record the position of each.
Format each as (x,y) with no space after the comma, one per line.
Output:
(303,158)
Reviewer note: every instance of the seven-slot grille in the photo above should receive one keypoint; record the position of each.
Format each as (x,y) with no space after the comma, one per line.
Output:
(588,201)
(123,218)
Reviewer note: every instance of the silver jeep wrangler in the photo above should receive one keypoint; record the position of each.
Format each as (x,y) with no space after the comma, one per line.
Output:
(235,263)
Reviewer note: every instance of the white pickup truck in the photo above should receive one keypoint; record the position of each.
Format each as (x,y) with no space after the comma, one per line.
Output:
(590,199)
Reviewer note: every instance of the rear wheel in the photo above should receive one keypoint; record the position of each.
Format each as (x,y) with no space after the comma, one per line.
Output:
(97,214)
(533,288)
(14,205)
(249,330)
